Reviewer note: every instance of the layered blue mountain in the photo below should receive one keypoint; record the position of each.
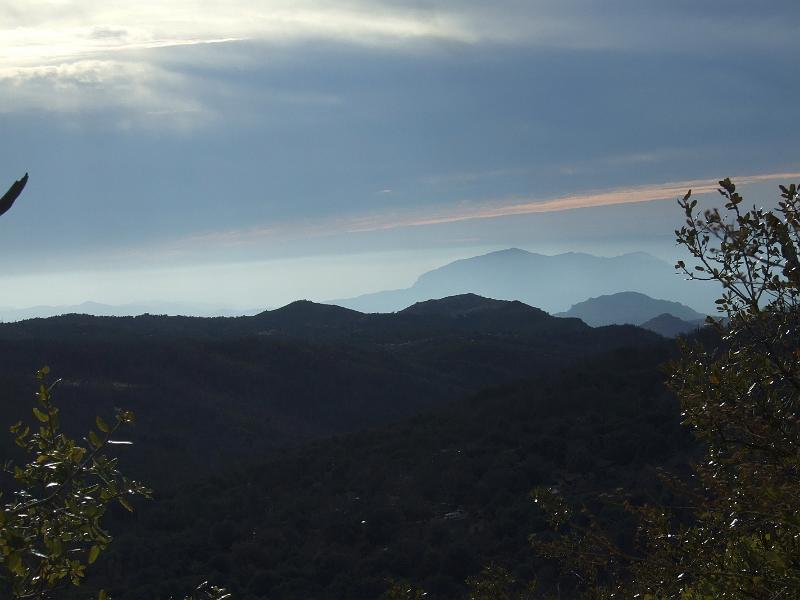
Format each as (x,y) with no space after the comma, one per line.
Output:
(551,283)
(631,308)
(671,326)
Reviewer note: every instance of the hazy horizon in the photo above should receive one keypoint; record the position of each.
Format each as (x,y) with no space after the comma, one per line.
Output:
(672,287)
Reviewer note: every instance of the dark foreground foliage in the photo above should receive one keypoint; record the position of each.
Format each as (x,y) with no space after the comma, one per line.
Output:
(431,500)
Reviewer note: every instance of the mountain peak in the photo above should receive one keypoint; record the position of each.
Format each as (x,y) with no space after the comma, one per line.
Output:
(298,305)
(460,304)
(628,307)
(507,254)
(510,252)
(550,282)
(306,309)
(669,325)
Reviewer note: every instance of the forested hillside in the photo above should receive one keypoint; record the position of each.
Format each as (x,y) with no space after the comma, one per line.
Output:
(488,398)
(210,391)
(431,499)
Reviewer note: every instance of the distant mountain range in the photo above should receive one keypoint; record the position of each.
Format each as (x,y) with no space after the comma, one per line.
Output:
(551,283)
(10,314)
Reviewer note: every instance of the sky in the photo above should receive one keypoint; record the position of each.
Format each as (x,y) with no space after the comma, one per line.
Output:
(246,154)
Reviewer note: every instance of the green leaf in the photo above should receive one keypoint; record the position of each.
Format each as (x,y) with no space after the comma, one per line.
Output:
(94,552)
(40,415)
(56,547)
(15,564)
(101,425)
(124,502)
(94,440)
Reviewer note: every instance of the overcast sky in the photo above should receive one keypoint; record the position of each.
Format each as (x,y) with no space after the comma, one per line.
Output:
(248,153)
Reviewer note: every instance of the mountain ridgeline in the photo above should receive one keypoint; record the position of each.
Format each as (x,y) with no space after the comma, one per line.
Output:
(119,310)
(208,390)
(551,283)
(664,317)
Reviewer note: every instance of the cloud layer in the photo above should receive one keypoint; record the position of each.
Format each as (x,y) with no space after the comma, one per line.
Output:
(45,42)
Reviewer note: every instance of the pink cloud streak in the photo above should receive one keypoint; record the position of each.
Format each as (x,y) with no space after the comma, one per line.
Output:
(628,195)
(460,212)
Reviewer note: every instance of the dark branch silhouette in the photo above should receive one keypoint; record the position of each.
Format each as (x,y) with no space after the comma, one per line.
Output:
(7,201)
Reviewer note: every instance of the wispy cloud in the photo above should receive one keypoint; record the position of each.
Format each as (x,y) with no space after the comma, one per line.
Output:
(511,207)
(146,91)
(44,31)
(103,55)
(34,37)
(593,165)
(461,212)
